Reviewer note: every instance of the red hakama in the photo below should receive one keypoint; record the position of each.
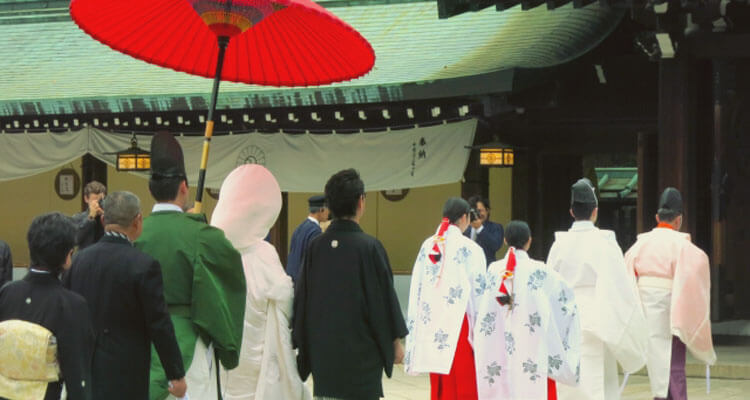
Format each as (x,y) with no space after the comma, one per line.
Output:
(461,382)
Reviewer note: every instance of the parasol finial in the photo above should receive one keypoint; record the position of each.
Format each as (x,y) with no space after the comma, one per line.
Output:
(228,18)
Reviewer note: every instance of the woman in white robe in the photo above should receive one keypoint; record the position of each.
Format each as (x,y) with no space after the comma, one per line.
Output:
(534,336)
(249,203)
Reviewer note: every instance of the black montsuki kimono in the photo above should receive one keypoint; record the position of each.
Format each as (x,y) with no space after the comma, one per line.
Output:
(41,299)
(346,314)
(124,289)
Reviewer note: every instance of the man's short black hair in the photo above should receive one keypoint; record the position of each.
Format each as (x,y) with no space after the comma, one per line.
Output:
(582,211)
(517,234)
(51,236)
(165,189)
(455,208)
(473,200)
(94,187)
(668,215)
(343,191)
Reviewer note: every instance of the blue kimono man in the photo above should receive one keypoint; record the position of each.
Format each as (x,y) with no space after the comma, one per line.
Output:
(306,232)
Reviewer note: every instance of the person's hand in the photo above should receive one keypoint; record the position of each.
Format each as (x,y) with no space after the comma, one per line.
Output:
(178,387)
(95,209)
(398,350)
(477,223)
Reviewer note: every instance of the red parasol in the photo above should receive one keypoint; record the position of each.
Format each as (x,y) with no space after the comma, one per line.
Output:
(266,42)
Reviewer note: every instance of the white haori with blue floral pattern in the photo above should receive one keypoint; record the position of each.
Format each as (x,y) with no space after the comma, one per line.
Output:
(441,294)
(518,347)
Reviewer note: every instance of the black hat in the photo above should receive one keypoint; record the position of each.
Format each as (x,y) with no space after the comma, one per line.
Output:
(167,160)
(583,192)
(316,201)
(670,201)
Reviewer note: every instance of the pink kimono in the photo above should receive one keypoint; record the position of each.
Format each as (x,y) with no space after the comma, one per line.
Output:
(675,285)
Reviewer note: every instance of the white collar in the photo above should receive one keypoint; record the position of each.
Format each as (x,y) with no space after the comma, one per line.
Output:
(118,234)
(521,254)
(313,220)
(582,226)
(166,207)
(39,271)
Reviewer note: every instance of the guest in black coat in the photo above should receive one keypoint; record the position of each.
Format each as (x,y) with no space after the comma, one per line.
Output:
(40,298)
(347,320)
(124,289)
(89,221)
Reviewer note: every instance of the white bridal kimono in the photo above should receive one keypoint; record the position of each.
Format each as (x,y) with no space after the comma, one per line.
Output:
(248,206)
(518,348)
(441,294)
(675,286)
(612,319)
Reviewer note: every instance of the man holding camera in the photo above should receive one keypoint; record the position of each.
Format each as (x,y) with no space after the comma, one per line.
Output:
(88,223)
(487,234)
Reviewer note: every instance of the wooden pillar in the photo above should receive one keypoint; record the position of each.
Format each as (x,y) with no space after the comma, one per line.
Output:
(676,161)
(648,191)
(718,172)
(734,193)
(557,172)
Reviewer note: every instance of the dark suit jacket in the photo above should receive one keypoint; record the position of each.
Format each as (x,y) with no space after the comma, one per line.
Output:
(490,239)
(301,238)
(89,230)
(6,264)
(41,299)
(123,287)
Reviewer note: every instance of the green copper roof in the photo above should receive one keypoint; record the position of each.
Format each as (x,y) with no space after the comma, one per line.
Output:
(53,67)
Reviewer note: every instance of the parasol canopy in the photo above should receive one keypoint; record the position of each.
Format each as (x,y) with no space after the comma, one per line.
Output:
(266,42)
(271,42)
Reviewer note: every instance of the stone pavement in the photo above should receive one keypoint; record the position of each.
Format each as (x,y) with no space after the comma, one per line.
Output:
(405,387)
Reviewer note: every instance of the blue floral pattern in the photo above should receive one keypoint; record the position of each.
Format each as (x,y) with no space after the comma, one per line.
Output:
(488,324)
(482,284)
(462,254)
(432,271)
(537,279)
(534,320)
(426,313)
(553,362)
(454,294)
(493,371)
(510,343)
(530,367)
(441,338)
(563,299)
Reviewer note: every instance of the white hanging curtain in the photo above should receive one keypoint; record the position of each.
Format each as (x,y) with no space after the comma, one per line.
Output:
(301,163)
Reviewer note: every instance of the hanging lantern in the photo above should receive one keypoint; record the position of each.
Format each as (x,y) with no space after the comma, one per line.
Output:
(134,158)
(496,155)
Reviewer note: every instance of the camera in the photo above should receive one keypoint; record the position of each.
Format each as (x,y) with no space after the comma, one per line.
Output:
(473,215)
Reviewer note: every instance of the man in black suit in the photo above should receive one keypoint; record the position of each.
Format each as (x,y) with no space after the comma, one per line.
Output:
(124,290)
(487,234)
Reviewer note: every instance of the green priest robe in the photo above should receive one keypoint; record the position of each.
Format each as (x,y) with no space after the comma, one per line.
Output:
(204,287)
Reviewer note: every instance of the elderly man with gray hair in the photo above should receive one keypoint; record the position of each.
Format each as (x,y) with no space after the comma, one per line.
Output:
(124,289)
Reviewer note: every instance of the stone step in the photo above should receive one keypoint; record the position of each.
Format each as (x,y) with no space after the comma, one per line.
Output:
(733,362)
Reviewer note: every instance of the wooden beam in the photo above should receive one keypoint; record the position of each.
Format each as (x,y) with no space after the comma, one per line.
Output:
(718,45)
(648,191)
